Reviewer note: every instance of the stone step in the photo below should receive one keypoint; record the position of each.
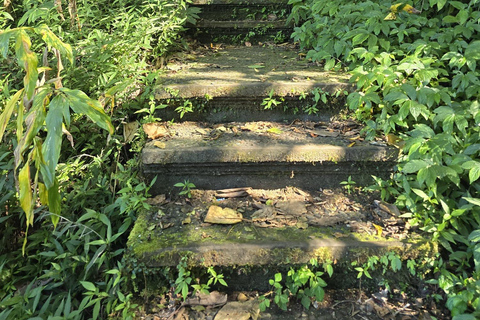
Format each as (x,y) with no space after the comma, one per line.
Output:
(241,21)
(293,228)
(230,83)
(264,154)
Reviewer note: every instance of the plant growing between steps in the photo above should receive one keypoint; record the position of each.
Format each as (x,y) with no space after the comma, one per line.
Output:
(186,186)
(303,283)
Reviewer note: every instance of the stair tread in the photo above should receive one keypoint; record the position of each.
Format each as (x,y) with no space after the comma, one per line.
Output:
(246,72)
(262,141)
(290,237)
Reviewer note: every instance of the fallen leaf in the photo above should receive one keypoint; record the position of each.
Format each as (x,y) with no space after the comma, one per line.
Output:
(159,144)
(379,229)
(275,130)
(351,144)
(187,220)
(155,130)
(220,215)
(256,66)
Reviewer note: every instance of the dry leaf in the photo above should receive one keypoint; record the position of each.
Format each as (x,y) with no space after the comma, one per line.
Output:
(159,144)
(129,130)
(155,130)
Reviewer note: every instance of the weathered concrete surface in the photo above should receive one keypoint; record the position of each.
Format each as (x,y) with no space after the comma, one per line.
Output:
(227,156)
(245,245)
(238,72)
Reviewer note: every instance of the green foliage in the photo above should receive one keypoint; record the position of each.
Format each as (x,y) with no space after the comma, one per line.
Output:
(349,185)
(416,76)
(44,108)
(186,186)
(303,283)
(185,277)
(270,102)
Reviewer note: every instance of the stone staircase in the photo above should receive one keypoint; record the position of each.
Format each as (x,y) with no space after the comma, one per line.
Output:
(254,130)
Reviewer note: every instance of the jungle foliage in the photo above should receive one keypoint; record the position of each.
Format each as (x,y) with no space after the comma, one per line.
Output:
(66,205)
(417,79)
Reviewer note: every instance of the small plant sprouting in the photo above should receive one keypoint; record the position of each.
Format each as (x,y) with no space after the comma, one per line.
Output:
(270,102)
(349,185)
(186,186)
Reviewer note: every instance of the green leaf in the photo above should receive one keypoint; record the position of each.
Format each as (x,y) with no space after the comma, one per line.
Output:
(54,202)
(464,317)
(53,142)
(360,38)
(7,112)
(82,104)
(474,201)
(472,52)
(88,285)
(25,190)
(5,36)
(414,165)
(474,236)
(28,60)
(53,41)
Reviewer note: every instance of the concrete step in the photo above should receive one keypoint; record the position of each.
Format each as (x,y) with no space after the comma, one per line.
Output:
(240,21)
(264,154)
(278,229)
(229,83)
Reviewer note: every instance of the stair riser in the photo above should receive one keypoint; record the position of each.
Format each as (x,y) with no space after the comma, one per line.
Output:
(307,176)
(250,109)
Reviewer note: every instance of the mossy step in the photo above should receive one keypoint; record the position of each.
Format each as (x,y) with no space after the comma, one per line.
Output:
(261,155)
(229,81)
(245,244)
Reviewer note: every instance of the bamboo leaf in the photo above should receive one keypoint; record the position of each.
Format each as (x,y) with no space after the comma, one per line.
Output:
(82,104)
(28,60)
(5,40)
(53,141)
(7,113)
(54,202)
(53,41)
(25,193)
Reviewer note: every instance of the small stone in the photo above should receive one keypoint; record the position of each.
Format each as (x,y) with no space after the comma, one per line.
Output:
(220,215)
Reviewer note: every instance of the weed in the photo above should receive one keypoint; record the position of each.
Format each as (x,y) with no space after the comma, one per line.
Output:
(270,102)
(186,186)
(349,185)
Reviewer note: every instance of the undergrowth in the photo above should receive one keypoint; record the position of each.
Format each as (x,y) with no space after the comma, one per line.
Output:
(417,79)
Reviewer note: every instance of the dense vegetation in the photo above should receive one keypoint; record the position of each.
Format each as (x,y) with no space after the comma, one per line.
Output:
(417,82)
(417,79)
(104,57)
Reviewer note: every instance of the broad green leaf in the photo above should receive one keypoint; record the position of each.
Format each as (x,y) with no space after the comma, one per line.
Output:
(53,142)
(7,112)
(474,236)
(395,95)
(472,149)
(5,36)
(82,104)
(25,193)
(473,51)
(360,38)
(88,285)
(414,165)
(474,201)
(464,317)
(53,41)
(28,60)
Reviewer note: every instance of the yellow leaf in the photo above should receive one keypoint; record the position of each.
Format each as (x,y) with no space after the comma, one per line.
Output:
(379,229)
(159,144)
(275,130)
(351,144)
(25,193)
(7,112)
(42,194)
(28,60)
(390,16)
